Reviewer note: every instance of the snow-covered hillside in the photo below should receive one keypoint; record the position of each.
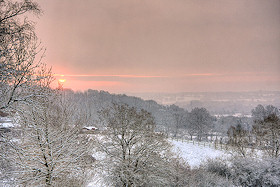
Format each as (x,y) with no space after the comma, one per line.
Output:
(195,154)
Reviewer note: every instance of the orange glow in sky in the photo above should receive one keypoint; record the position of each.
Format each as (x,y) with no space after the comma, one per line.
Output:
(136,83)
(162,45)
(62,80)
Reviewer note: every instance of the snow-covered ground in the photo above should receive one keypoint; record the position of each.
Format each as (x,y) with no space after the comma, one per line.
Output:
(7,123)
(195,154)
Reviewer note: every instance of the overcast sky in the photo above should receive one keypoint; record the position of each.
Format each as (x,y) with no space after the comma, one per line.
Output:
(163,45)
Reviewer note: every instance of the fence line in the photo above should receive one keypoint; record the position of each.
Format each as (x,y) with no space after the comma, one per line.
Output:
(218,145)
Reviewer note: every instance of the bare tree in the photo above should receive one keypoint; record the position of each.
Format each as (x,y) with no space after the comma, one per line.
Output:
(136,155)
(200,122)
(21,69)
(267,132)
(50,151)
(260,112)
(239,139)
(266,129)
(179,116)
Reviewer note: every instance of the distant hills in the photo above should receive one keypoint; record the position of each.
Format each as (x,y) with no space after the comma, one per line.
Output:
(218,103)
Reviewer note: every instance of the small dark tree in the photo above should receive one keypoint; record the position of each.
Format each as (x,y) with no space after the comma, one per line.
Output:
(200,122)
(178,114)
(238,139)
(267,132)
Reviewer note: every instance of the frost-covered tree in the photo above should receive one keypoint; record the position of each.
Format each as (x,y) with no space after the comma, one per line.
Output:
(260,112)
(238,171)
(21,70)
(266,129)
(267,132)
(136,155)
(49,151)
(178,115)
(255,172)
(200,121)
(238,139)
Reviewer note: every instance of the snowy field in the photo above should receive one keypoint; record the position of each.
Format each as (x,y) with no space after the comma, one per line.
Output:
(195,154)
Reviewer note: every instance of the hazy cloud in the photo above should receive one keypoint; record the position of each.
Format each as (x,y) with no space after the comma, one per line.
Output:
(165,38)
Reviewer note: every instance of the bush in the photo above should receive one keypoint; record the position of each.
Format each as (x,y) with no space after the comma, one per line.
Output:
(218,167)
(253,172)
(202,178)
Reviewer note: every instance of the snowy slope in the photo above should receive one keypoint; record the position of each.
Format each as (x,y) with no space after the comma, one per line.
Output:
(195,154)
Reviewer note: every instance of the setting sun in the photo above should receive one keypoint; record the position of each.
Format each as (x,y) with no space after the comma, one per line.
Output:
(62,80)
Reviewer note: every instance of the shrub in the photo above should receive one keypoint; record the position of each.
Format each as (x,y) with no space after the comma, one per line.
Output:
(253,172)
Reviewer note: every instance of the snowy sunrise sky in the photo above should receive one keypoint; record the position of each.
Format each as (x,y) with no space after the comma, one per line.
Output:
(126,46)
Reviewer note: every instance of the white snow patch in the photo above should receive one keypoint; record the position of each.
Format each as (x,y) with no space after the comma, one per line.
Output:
(195,154)
(7,125)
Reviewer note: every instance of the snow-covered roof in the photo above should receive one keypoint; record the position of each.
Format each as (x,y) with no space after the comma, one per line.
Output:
(90,128)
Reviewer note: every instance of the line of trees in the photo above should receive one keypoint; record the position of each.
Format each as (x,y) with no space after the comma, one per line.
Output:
(171,120)
(264,133)
(46,148)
